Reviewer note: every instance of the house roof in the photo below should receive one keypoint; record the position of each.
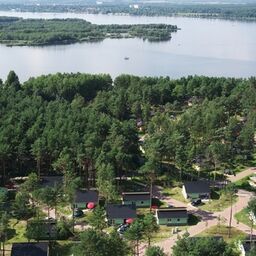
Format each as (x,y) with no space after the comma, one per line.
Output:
(134,196)
(86,196)
(50,181)
(30,249)
(177,212)
(116,211)
(197,187)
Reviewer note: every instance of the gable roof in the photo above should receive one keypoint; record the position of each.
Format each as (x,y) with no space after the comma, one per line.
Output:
(134,196)
(50,181)
(116,211)
(176,212)
(86,196)
(30,249)
(197,187)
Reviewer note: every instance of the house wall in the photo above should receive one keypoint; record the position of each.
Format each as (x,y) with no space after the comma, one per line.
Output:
(140,203)
(116,221)
(173,221)
(80,205)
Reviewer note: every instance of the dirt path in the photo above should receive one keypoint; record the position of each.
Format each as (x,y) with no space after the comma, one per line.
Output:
(242,174)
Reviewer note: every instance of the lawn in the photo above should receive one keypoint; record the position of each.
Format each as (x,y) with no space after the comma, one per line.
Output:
(222,230)
(243,217)
(17,231)
(219,201)
(175,193)
(165,232)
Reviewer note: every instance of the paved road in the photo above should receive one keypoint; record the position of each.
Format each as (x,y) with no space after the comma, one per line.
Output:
(242,174)
(211,219)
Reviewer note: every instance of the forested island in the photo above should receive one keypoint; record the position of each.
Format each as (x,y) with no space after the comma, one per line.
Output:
(221,11)
(38,32)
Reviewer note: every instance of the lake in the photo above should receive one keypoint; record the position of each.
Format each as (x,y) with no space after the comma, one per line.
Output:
(202,47)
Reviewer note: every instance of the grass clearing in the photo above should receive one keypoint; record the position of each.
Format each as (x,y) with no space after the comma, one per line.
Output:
(17,231)
(243,217)
(222,230)
(175,193)
(218,202)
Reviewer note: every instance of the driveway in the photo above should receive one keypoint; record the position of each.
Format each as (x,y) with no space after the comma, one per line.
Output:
(211,219)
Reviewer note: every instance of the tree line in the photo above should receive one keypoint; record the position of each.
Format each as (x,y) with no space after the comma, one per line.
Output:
(17,31)
(224,11)
(95,128)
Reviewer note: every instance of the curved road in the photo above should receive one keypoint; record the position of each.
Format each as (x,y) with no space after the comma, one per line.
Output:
(209,219)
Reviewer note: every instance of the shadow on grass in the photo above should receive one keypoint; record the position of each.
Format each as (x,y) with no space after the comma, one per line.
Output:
(11,233)
(215,195)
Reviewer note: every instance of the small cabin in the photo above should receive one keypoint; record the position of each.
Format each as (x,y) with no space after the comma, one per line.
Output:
(120,214)
(140,199)
(86,199)
(176,216)
(196,189)
(30,249)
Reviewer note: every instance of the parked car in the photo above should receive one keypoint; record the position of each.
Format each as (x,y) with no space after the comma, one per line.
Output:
(122,228)
(196,202)
(78,213)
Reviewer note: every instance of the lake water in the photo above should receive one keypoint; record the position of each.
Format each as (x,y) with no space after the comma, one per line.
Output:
(202,47)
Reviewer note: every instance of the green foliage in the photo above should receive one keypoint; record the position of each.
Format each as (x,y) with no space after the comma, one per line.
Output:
(97,218)
(149,226)
(155,251)
(201,246)
(100,244)
(21,207)
(78,123)
(252,205)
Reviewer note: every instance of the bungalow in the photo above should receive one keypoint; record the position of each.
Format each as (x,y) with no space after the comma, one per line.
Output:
(86,199)
(196,189)
(172,216)
(30,249)
(120,214)
(140,199)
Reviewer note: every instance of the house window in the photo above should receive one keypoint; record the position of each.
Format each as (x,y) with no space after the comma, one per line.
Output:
(169,220)
(142,202)
(178,219)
